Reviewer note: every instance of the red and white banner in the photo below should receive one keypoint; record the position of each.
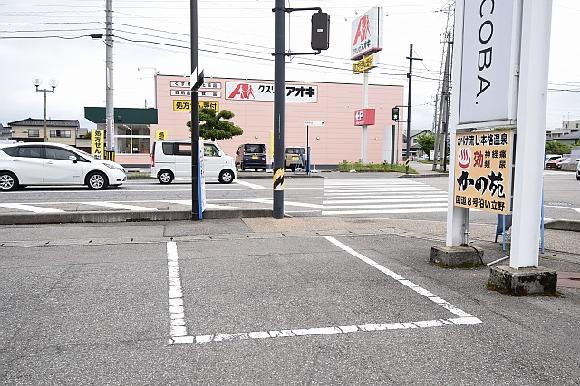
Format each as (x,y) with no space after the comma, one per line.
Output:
(264,92)
(367,33)
(364,117)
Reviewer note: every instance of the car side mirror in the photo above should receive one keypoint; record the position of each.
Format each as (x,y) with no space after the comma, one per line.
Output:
(73,159)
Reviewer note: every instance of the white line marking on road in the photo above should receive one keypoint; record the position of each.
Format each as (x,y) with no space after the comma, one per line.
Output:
(379,199)
(388,206)
(177,328)
(577,209)
(288,203)
(463,318)
(114,205)
(383,211)
(30,208)
(407,283)
(250,185)
(209,206)
(417,190)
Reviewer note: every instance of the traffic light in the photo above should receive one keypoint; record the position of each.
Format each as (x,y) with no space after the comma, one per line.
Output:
(320,31)
(395,114)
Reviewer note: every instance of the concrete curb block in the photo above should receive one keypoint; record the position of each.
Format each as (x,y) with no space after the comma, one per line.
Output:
(126,216)
(563,225)
(431,175)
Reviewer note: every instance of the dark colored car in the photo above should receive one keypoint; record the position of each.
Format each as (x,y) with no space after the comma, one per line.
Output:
(251,156)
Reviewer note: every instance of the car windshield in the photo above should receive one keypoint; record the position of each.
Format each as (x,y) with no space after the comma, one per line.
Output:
(294,150)
(255,148)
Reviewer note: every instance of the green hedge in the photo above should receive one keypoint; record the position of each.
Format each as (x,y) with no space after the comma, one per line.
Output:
(346,166)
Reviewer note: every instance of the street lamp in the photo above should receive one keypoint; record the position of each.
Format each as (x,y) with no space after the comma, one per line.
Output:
(53,83)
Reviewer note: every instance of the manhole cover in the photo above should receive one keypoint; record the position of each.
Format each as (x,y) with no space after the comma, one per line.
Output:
(569,279)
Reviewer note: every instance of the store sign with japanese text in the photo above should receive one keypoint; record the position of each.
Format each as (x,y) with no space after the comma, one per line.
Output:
(365,64)
(264,92)
(201,93)
(185,105)
(98,144)
(161,135)
(483,165)
(364,117)
(367,33)
(185,84)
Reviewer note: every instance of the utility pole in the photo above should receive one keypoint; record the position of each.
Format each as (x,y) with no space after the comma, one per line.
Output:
(409,75)
(196,207)
(279,106)
(44,91)
(109,109)
(445,103)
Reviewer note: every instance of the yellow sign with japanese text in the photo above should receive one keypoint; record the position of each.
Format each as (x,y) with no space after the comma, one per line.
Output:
(364,64)
(98,143)
(483,170)
(161,135)
(185,105)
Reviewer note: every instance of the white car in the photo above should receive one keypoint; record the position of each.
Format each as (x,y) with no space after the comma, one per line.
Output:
(171,160)
(40,163)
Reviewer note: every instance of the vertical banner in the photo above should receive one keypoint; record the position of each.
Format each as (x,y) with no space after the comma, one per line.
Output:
(98,144)
(483,164)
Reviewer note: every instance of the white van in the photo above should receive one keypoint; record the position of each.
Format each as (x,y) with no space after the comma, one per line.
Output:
(172,160)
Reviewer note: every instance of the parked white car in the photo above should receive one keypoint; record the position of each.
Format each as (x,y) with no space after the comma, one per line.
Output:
(40,163)
(171,160)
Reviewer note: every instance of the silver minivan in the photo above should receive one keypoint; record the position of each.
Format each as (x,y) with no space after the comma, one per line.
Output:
(171,160)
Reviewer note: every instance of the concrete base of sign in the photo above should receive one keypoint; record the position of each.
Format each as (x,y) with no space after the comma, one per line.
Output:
(523,281)
(456,257)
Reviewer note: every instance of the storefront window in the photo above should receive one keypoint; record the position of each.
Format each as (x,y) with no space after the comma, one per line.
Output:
(132,138)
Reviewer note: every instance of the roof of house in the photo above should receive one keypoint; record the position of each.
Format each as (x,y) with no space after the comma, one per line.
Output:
(49,123)
(571,136)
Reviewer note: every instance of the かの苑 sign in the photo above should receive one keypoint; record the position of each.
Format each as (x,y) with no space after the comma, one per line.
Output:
(264,92)
(366,33)
(483,165)
(98,143)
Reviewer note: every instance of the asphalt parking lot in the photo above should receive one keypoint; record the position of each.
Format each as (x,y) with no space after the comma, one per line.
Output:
(229,303)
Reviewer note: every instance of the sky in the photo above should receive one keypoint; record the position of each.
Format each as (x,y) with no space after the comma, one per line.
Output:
(236,40)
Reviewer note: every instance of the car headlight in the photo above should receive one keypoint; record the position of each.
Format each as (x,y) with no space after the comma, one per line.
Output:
(114,166)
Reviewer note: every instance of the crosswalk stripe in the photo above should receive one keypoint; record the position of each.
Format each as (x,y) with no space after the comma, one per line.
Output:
(114,205)
(384,200)
(31,208)
(250,185)
(383,211)
(387,206)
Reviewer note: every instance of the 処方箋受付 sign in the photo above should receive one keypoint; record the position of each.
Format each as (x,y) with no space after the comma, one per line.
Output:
(483,164)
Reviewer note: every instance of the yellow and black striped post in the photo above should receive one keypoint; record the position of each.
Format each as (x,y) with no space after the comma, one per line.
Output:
(279,179)
(407,162)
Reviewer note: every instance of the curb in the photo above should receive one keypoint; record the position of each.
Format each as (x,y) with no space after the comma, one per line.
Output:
(563,225)
(126,216)
(430,175)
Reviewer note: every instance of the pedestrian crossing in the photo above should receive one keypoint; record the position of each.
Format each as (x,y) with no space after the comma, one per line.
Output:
(380,196)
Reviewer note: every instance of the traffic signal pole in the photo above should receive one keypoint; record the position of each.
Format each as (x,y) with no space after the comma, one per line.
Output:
(279,106)
(196,210)
(409,75)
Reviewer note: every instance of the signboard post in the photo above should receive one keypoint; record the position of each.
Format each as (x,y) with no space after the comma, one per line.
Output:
(308,124)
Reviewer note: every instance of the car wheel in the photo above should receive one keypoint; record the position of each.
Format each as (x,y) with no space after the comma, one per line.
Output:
(578,177)
(165,177)
(8,181)
(97,181)
(243,167)
(293,168)
(226,177)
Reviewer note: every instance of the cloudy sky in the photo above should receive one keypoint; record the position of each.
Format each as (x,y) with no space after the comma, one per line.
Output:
(236,39)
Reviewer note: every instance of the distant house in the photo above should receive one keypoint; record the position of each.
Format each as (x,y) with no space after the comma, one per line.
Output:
(569,139)
(32,130)
(415,148)
(5,132)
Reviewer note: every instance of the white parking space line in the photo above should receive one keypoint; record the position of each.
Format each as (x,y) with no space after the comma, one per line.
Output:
(115,205)
(250,185)
(178,329)
(31,208)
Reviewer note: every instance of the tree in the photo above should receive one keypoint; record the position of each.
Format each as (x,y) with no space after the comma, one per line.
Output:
(555,147)
(216,125)
(426,142)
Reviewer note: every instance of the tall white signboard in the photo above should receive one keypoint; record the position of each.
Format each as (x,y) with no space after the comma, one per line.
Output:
(489,58)
(366,33)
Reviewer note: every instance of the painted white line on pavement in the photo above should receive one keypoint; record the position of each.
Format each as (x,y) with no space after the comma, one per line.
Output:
(577,209)
(382,211)
(30,208)
(250,185)
(209,206)
(288,203)
(419,189)
(388,206)
(463,318)
(177,327)
(420,290)
(379,199)
(114,205)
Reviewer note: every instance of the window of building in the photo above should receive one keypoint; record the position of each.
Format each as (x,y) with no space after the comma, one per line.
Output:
(132,138)
(33,133)
(60,133)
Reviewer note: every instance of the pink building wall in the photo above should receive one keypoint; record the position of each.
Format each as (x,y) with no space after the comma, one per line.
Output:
(338,140)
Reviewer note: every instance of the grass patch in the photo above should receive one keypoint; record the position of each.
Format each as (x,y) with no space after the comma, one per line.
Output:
(346,166)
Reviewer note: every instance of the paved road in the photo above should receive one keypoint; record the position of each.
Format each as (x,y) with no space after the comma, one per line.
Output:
(246,302)
(338,194)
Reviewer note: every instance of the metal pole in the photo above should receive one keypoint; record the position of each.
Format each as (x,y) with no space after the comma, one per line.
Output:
(409,108)
(196,210)
(109,106)
(531,118)
(44,124)
(279,113)
(393,145)
(307,152)
(364,134)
